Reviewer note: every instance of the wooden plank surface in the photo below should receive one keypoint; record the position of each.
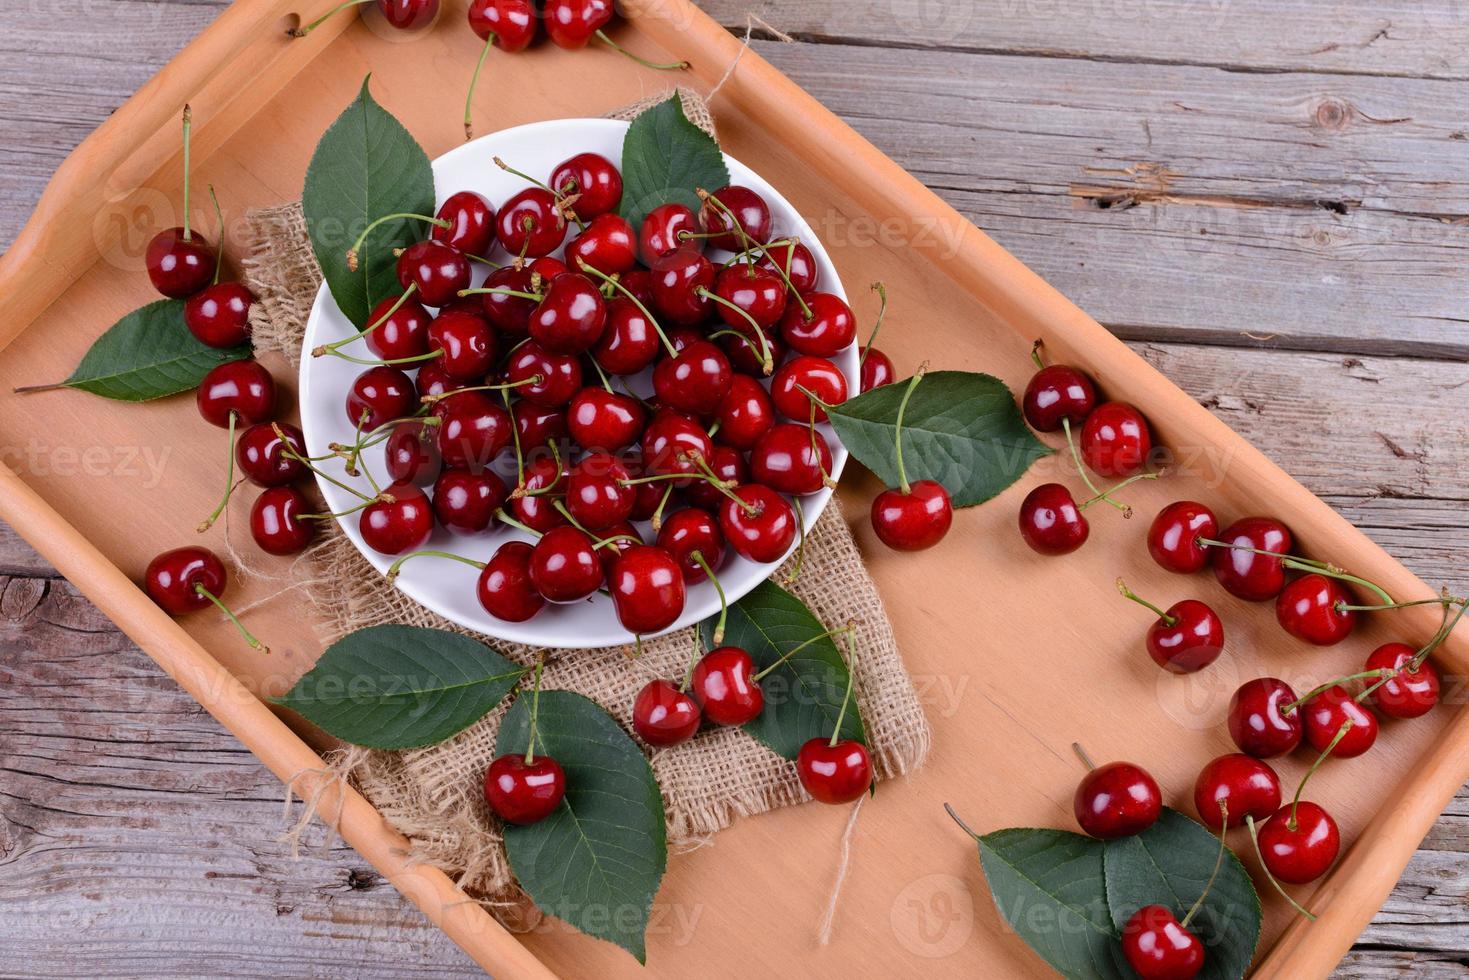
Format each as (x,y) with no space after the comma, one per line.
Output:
(1266,199)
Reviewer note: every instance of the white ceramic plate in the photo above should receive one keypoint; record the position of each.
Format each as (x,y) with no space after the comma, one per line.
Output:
(448,587)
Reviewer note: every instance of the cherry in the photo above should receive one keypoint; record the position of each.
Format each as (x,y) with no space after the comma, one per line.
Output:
(571,317)
(572,23)
(1326,713)
(616,540)
(1244,573)
(660,235)
(695,381)
(605,420)
(524,791)
(688,531)
(816,375)
(791,458)
(834,772)
(648,498)
(1260,720)
(182,580)
(530,224)
(560,375)
(243,389)
(1311,609)
(400,520)
(681,287)
(465,501)
(275,521)
(663,715)
(1115,441)
(1299,842)
(1058,394)
(760,293)
(401,333)
(260,453)
(829,328)
(747,209)
(1051,522)
(597,494)
(760,526)
(729,467)
(747,353)
(432,380)
(723,685)
(607,244)
(912,520)
(408,15)
(593,179)
(410,454)
(564,566)
(877,369)
(438,271)
(473,430)
(1174,537)
(629,342)
(1117,800)
(508,24)
(1159,947)
(795,260)
(470,217)
(505,589)
(509,313)
(672,443)
(380,394)
(180,263)
(1238,783)
(538,426)
(469,346)
(1186,638)
(544,477)
(745,413)
(219,315)
(1409,692)
(647,589)
(548,268)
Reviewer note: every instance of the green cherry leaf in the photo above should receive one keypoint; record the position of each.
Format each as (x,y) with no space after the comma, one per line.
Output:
(803,696)
(597,860)
(401,687)
(961,429)
(366,166)
(665,159)
(147,354)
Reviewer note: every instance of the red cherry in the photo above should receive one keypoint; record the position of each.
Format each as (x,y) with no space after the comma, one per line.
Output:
(241,388)
(791,458)
(744,414)
(607,244)
(411,456)
(648,498)
(403,333)
(469,346)
(797,262)
(750,212)
(1058,393)
(260,454)
(766,531)
(548,268)
(1186,638)
(615,540)
(471,220)
(465,502)
(572,23)
(275,521)
(1299,843)
(1407,693)
(662,231)
(538,426)
(647,589)
(399,522)
(219,315)
(174,579)
(1115,441)
(663,715)
(530,224)
(1245,786)
(522,792)
(438,271)
(1244,573)
(605,420)
(1173,538)
(1325,714)
(695,381)
(1259,721)
(747,354)
(1158,947)
(914,520)
(1117,800)
(1051,522)
(505,589)
(834,774)
(1310,608)
(571,317)
(432,380)
(511,23)
(179,267)
(595,181)
(534,509)
(672,442)
(560,375)
(689,531)
(473,430)
(681,284)
(629,342)
(817,375)
(723,684)
(830,328)
(597,494)
(509,314)
(564,566)
(729,466)
(380,394)
(877,369)
(408,15)
(759,292)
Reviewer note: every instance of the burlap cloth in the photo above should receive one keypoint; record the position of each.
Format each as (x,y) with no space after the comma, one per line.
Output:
(433,796)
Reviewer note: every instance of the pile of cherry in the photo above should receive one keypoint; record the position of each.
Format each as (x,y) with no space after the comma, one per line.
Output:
(1251,559)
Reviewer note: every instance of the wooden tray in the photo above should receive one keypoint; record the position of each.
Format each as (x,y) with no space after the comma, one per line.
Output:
(1016,656)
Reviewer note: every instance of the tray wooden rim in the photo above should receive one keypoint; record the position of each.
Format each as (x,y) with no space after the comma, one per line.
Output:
(245,41)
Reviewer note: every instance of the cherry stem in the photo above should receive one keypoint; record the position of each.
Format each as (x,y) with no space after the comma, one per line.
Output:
(688,674)
(1122,587)
(801,547)
(290,453)
(656,521)
(499,291)
(1255,839)
(560,506)
(882,309)
(249,637)
(378,362)
(606,382)
(515,437)
(674,66)
(229,480)
(397,305)
(798,648)
(718,636)
(353,253)
(789,244)
(474,83)
(219,224)
(898,432)
(303,31)
(767,365)
(1438,601)
(826,479)
(509,521)
(1323,688)
(396,567)
(1107,494)
(1081,468)
(962,825)
(1295,802)
(1086,760)
(1035,355)
(1218,863)
(1305,565)
(719,484)
(836,733)
(1438,638)
(604,542)
(505,388)
(616,284)
(535,711)
(188,131)
(737,229)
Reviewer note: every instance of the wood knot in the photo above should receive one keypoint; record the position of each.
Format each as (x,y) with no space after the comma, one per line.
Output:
(1332,114)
